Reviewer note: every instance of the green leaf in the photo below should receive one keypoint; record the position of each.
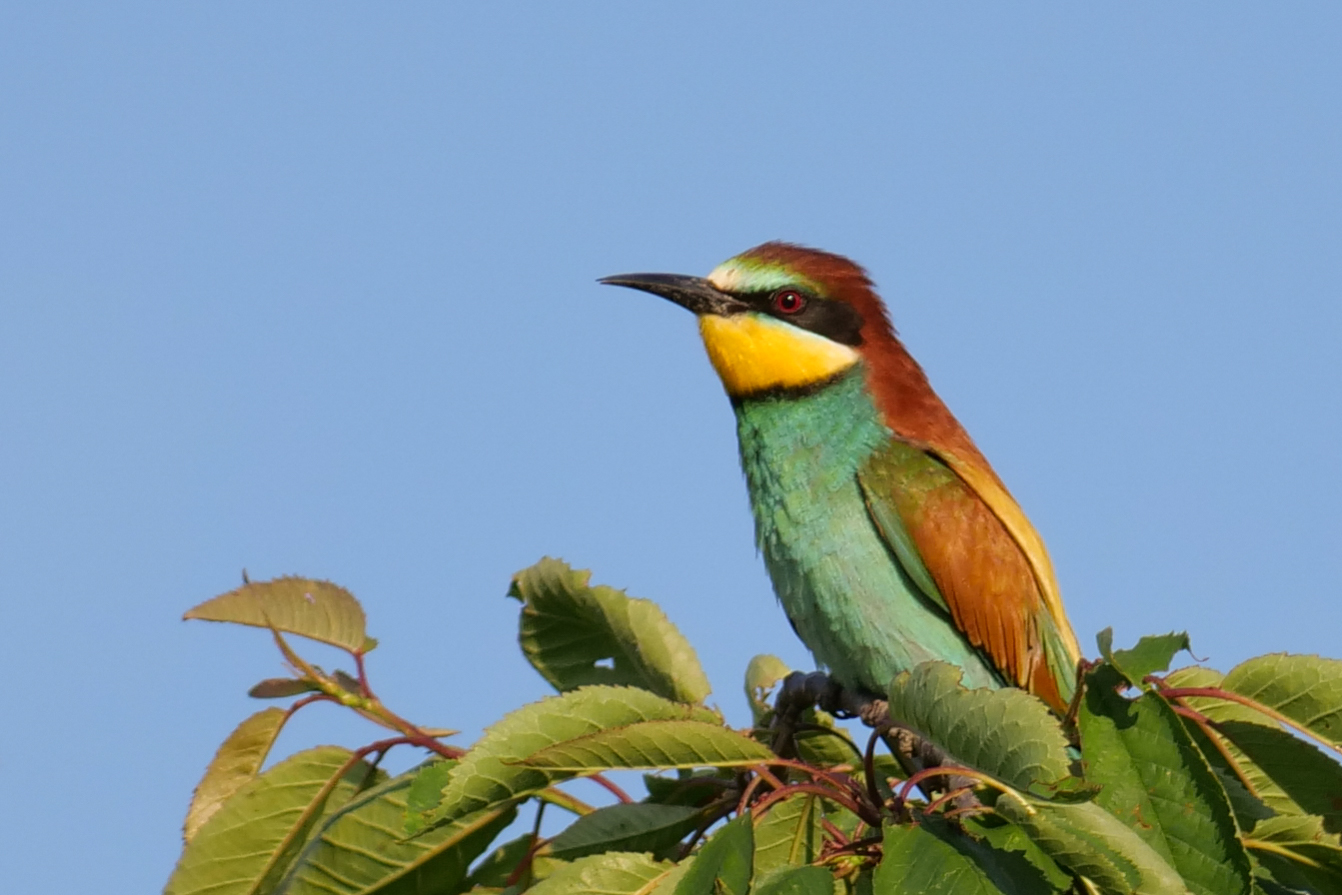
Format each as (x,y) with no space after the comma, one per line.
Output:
(426,791)
(637,827)
(1294,830)
(1265,885)
(568,626)
(1007,733)
(234,765)
(827,746)
(858,884)
(1289,775)
(651,744)
(1220,752)
(1299,770)
(360,849)
(724,865)
(281,687)
(696,789)
(319,610)
(1089,841)
(613,873)
(763,675)
(932,858)
(1306,689)
(494,870)
(1151,654)
(1299,852)
(1045,876)
(350,684)
(1289,876)
(496,768)
(789,833)
(1247,807)
(667,884)
(795,881)
(249,842)
(1155,780)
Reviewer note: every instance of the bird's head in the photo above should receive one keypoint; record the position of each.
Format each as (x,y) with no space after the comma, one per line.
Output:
(778,317)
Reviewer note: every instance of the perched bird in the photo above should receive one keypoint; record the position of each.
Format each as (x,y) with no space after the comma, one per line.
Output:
(889,539)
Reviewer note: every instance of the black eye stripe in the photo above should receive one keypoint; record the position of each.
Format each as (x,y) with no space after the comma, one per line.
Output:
(832,319)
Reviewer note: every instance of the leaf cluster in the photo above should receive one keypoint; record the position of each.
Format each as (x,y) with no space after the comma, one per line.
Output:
(1186,782)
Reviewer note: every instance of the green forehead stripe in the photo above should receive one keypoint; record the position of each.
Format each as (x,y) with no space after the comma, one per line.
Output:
(745,274)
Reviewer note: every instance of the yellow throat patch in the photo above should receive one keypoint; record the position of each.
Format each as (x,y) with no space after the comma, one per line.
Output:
(754,353)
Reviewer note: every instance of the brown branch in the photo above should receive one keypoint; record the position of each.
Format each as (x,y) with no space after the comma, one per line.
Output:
(611,788)
(949,771)
(844,799)
(1205,725)
(946,797)
(1231,696)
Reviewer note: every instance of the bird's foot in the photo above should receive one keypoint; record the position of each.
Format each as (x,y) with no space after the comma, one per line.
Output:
(799,693)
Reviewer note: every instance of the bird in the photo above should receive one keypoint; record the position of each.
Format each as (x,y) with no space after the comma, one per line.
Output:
(889,539)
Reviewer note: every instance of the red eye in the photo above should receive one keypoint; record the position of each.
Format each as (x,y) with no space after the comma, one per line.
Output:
(789,301)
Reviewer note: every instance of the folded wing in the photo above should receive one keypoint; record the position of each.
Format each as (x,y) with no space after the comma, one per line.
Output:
(965,543)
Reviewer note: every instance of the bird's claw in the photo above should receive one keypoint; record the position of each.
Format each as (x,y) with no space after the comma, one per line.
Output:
(802,691)
(799,693)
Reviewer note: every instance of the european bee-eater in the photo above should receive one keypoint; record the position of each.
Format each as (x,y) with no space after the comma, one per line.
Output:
(889,539)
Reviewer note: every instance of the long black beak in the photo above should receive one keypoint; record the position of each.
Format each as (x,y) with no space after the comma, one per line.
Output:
(692,293)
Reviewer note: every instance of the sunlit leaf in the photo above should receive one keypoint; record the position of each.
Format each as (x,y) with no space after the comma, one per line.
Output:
(496,768)
(234,765)
(612,873)
(651,744)
(1306,689)
(361,848)
(249,842)
(426,788)
(320,610)
(1299,852)
(789,833)
(1289,775)
(1007,733)
(569,629)
(1151,654)
(764,674)
(1154,779)
(1089,841)
(1295,830)
(1300,770)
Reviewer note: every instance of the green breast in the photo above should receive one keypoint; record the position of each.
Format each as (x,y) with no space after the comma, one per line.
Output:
(842,588)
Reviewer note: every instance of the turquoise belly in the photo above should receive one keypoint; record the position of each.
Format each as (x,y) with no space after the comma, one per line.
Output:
(843,590)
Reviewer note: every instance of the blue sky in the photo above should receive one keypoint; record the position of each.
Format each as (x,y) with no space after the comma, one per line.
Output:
(310,288)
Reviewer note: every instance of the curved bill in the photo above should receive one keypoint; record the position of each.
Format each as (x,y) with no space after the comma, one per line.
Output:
(692,293)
